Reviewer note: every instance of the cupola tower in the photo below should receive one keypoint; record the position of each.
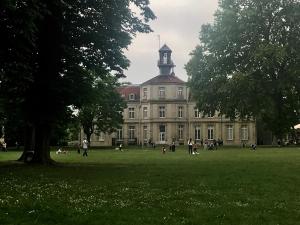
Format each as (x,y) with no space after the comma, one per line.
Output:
(165,63)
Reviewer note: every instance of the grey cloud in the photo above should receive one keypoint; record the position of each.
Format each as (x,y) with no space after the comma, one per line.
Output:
(178,23)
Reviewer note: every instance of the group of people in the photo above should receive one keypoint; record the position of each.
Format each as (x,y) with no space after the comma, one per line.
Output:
(172,147)
(61,151)
(192,147)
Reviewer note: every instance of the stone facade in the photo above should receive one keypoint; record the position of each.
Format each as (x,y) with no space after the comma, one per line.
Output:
(161,111)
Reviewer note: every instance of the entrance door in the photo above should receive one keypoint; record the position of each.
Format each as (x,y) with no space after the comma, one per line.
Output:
(162,134)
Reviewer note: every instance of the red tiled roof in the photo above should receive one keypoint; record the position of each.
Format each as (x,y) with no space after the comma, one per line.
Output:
(164,79)
(127,90)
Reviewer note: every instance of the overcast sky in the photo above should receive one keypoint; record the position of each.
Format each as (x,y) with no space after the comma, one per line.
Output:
(178,23)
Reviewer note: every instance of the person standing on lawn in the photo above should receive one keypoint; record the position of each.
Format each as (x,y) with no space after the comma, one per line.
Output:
(190,145)
(85,147)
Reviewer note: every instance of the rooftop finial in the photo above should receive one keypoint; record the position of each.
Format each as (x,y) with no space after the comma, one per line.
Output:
(158,36)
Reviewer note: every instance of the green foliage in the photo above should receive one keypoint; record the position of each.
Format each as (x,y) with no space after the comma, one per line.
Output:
(102,112)
(247,64)
(48,49)
(139,187)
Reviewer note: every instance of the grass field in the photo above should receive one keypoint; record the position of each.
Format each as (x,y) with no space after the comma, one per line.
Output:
(136,187)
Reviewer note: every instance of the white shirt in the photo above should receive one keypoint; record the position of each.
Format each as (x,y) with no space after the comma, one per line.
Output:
(85,144)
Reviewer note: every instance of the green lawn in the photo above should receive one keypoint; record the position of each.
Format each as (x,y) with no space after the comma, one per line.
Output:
(136,187)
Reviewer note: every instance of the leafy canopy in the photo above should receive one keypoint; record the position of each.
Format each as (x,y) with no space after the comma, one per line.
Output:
(49,49)
(102,112)
(247,62)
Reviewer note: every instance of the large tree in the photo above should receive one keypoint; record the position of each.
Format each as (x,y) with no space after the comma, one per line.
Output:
(247,64)
(47,50)
(102,112)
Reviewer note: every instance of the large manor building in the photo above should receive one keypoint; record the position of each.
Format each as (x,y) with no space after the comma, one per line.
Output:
(161,111)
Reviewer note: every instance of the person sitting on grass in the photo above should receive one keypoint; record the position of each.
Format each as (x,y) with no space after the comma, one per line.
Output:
(163,150)
(211,146)
(4,146)
(253,147)
(195,152)
(59,151)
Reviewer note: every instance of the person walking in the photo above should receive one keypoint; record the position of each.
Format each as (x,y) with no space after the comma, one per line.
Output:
(190,145)
(85,147)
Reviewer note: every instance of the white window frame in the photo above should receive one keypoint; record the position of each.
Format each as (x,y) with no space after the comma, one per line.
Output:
(162,112)
(119,134)
(180,112)
(210,115)
(179,92)
(196,113)
(131,133)
(132,96)
(162,92)
(244,133)
(145,93)
(162,134)
(145,133)
(210,132)
(165,58)
(198,132)
(145,112)
(229,133)
(131,112)
(180,132)
(101,136)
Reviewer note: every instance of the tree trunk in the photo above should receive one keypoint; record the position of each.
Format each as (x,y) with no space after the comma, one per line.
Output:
(88,137)
(29,144)
(42,148)
(37,140)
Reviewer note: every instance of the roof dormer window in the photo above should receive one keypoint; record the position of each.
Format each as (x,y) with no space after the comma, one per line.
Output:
(131,96)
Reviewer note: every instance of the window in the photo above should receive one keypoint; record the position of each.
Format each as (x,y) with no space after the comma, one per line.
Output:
(145,112)
(244,132)
(197,113)
(131,132)
(162,112)
(145,93)
(162,133)
(230,132)
(165,58)
(197,133)
(210,132)
(119,134)
(131,113)
(180,92)
(180,132)
(210,115)
(101,136)
(131,96)
(180,111)
(145,133)
(162,92)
